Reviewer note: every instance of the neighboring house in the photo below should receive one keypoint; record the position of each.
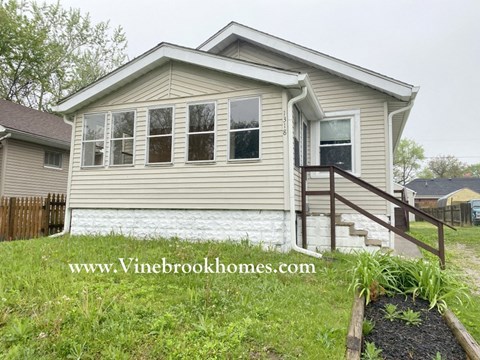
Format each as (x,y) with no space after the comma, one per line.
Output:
(457,197)
(428,191)
(208,143)
(34,151)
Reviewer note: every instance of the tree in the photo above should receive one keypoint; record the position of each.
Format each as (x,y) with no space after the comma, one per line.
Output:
(47,52)
(473,170)
(407,161)
(445,166)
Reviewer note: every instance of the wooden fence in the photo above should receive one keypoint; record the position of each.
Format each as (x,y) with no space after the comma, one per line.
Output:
(455,215)
(27,218)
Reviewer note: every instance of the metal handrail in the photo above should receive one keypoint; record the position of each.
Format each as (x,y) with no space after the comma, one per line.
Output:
(332,170)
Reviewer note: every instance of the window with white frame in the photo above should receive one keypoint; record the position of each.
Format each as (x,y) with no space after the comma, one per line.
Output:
(201,132)
(122,139)
(338,139)
(93,142)
(160,138)
(53,159)
(244,129)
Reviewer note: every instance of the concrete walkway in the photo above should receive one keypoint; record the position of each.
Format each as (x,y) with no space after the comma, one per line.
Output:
(405,248)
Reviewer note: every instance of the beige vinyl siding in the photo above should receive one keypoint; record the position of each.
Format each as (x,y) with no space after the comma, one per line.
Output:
(338,94)
(221,184)
(25,174)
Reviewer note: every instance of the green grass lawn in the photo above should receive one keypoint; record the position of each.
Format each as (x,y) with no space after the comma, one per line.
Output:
(463,255)
(48,312)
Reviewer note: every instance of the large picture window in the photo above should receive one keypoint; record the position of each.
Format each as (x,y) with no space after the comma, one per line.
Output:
(201,132)
(93,143)
(123,130)
(159,138)
(336,143)
(244,129)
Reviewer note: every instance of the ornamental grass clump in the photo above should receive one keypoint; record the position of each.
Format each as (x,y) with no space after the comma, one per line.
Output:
(378,273)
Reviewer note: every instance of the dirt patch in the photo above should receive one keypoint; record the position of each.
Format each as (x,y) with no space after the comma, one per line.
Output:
(401,341)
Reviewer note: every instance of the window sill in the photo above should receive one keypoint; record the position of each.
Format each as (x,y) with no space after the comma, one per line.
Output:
(163,164)
(52,168)
(234,161)
(201,162)
(121,166)
(96,167)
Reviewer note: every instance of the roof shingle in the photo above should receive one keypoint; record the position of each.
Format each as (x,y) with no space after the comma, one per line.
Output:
(440,187)
(33,122)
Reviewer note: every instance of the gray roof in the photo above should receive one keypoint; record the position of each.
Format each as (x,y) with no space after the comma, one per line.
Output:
(437,188)
(37,124)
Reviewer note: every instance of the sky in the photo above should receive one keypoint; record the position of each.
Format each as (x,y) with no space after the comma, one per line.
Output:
(434,44)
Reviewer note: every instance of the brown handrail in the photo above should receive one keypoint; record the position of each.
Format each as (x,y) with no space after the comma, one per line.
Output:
(332,170)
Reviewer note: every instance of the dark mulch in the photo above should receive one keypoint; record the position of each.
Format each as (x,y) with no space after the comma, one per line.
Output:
(401,341)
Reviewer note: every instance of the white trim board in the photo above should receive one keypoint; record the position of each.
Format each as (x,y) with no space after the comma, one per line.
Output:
(166,52)
(234,31)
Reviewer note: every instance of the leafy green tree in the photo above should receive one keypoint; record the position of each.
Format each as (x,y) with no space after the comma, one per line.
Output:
(47,52)
(445,166)
(473,170)
(407,161)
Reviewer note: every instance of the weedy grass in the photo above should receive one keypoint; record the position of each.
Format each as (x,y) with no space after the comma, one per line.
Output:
(371,352)
(48,312)
(462,256)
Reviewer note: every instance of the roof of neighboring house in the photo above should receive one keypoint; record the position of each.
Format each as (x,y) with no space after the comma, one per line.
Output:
(32,125)
(165,52)
(436,188)
(234,31)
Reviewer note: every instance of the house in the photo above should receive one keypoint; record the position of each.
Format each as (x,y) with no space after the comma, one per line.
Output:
(429,191)
(457,197)
(34,152)
(209,143)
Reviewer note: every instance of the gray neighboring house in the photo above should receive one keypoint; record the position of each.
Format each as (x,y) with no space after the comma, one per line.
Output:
(34,151)
(428,191)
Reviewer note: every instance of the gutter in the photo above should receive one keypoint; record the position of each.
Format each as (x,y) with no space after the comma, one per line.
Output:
(291,178)
(390,155)
(68,212)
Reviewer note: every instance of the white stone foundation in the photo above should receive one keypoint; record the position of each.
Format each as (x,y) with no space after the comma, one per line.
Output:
(266,227)
(318,233)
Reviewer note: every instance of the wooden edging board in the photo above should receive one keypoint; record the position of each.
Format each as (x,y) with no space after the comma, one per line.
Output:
(466,340)
(354,335)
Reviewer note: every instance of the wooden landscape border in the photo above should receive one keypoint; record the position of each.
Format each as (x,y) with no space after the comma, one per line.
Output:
(355,336)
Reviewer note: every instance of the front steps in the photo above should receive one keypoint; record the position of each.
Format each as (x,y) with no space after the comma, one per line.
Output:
(350,235)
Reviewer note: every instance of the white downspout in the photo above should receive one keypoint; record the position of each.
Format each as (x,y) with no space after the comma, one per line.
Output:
(291,178)
(66,221)
(390,136)
(390,154)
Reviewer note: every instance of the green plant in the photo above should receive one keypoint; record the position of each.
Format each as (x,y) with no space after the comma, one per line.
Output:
(367,327)
(374,275)
(371,352)
(428,281)
(391,312)
(438,356)
(411,317)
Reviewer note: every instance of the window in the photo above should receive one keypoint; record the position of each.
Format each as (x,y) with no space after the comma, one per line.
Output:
(93,144)
(244,129)
(123,130)
(53,159)
(159,138)
(201,132)
(337,139)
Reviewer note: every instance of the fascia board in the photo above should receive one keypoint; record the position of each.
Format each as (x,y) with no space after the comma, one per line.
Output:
(390,86)
(168,52)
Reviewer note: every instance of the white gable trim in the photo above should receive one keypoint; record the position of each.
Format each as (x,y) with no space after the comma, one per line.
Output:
(355,73)
(165,52)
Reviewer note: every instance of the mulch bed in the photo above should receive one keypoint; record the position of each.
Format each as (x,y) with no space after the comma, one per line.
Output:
(401,341)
